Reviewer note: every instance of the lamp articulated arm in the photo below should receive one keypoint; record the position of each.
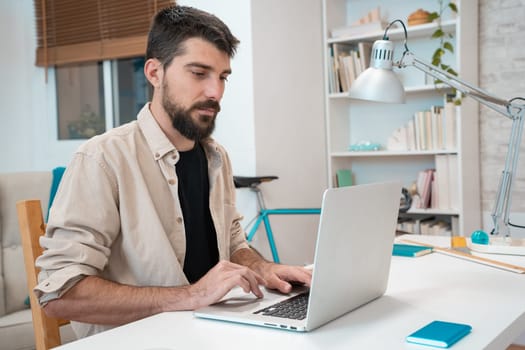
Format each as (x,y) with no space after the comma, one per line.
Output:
(513,109)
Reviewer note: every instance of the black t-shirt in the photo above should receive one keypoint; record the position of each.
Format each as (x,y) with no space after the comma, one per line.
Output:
(194,194)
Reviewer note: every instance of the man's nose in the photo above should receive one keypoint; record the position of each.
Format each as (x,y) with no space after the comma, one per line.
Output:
(215,89)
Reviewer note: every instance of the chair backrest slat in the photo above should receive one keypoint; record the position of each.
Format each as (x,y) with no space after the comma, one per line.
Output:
(32,226)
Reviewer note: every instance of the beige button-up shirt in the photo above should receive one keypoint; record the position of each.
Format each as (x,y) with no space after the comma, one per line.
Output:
(117,213)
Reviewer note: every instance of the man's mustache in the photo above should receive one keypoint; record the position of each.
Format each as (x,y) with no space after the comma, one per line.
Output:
(208,104)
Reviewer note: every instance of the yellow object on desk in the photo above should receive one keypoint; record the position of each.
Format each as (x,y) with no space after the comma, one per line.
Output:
(458,242)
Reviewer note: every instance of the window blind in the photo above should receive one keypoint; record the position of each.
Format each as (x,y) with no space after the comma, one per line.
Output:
(73,31)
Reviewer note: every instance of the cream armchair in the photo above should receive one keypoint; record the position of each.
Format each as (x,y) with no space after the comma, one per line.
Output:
(16,329)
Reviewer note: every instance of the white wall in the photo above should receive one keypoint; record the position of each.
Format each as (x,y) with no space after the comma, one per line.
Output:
(502,73)
(289,118)
(17,131)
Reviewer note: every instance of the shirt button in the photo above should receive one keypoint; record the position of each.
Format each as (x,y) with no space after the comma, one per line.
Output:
(157,155)
(172,181)
(179,220)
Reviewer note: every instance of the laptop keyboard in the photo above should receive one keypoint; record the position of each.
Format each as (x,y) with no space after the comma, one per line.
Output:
(294,308)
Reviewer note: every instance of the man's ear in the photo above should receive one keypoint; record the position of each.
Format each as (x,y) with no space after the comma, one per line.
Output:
(153,71)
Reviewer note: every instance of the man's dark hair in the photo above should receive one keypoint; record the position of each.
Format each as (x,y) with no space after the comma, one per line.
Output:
(172,26)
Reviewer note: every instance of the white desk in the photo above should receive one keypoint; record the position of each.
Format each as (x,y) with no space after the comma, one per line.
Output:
(420,290)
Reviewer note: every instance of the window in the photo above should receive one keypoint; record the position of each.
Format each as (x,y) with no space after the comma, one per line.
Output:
(80,101)
(94,97)
(131,89)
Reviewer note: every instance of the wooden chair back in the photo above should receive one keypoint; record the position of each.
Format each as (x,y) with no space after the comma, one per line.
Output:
(32,226)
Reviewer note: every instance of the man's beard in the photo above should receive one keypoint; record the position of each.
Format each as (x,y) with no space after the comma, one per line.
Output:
(182,120)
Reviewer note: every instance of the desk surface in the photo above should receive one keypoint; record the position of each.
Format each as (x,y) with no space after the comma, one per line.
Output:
(420,290)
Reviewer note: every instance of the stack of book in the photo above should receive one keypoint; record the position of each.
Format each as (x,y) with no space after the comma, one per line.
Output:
(428,225)
(432,129)
(346,62)
(437,188)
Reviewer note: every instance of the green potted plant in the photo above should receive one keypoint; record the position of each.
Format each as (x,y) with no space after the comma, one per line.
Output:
(445,44)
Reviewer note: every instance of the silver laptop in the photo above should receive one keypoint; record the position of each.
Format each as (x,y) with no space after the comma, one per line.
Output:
(351,264)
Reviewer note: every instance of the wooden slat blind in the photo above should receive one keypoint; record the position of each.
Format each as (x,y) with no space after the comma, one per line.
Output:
(74,31)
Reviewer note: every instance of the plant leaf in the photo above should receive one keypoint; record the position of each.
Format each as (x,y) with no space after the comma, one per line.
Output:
(452,71)
(432,16)
(448,46)
(438,33)
(453,7)
(438,53)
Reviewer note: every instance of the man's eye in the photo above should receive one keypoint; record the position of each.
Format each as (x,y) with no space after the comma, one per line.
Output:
(198,74)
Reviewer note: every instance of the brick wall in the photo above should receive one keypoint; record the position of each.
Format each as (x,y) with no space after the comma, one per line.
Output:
(502,73)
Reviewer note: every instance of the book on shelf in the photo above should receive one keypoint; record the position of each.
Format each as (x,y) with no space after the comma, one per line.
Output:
(365,51)
(442,181)
(453,181)
(331,71)
(424,187)
(357,62)
(349,69)
(342,74)
(344,177)
(449,121)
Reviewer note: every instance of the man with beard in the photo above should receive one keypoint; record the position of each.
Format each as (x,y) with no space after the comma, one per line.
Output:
(144,220)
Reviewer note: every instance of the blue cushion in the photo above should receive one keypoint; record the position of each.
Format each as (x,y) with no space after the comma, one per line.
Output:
(57,176)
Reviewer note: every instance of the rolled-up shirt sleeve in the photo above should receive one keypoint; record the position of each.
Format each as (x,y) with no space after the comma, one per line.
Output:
(80,230)
(238,237)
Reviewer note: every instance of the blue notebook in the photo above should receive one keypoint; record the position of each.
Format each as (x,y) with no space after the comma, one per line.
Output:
(410,250)
(439,333)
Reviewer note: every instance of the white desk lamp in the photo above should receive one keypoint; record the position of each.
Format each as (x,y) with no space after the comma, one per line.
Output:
(379,83)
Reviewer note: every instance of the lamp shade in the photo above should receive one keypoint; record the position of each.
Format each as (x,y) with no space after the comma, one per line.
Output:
(379,83)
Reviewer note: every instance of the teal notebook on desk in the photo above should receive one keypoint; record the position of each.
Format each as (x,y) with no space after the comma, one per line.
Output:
(410,250)
(439,333)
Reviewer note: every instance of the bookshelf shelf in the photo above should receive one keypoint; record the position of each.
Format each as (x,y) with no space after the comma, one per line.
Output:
(433,212)
(418,31)
(410,90)
(350,122)
(350,154)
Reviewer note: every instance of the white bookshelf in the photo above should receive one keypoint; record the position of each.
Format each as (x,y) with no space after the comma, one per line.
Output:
(350,121)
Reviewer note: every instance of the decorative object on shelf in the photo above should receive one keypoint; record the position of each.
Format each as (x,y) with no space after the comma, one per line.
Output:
(371,22)
(365,146)
(379,83)
(405,201)
(419,16)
